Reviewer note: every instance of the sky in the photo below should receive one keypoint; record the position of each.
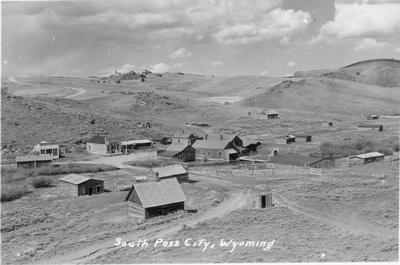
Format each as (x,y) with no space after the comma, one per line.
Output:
(219,37)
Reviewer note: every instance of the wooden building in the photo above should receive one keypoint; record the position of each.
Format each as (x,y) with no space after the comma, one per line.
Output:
(370,126)
(177,171)
(369,157)
(272,114)
(46,148)
(220,147)
(183,152)
(184,137)
(102,145)
(155,198)
(79,185)
(290,139)
(34,161)
(131,145)
(307,137)
(373,117)
(264,200)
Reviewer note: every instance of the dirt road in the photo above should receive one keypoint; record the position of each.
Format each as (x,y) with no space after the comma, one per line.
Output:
(348,224)
(233,200)
(79,91)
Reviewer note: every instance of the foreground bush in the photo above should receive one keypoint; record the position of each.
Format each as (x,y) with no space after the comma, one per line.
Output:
(74,168)
(145,163)
(12,192)
(42,182)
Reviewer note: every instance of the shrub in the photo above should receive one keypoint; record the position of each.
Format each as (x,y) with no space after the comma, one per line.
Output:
(74,168)
(42,182)
(12,192)
(145,163)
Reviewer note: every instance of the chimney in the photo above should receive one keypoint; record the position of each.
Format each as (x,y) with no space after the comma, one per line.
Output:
(157,176)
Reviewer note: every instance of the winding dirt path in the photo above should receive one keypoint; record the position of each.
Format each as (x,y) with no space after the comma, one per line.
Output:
(233,200)
(79,91)
(349,224)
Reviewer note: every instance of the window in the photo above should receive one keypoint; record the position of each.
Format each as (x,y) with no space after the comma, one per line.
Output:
(43,152)
(55,151)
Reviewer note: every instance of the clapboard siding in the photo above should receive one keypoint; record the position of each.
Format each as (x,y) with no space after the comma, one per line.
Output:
(136,210)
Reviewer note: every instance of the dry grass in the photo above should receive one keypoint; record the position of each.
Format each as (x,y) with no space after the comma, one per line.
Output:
(10,192)
(42,182)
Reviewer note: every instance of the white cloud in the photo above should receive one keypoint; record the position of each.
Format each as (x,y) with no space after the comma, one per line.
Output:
(264,73)
(364,19)
(369,43)
(291,63)
(180,53)
(397,50)
(160,67)
(273,25)
(171,33)
(216,63)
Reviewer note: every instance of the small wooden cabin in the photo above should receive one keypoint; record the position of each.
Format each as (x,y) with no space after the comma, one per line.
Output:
(155,198)
(290,139)
(371,126)
(102,145)
(183,152)
(46,148)
(177,171)
(303,136)
(131,145)
(79,185)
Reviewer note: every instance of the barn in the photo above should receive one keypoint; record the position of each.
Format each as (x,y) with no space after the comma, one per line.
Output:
(46,148)
(177,171)
(79,185)
(183,152)
(373,117)
(34,161)
(155,198)
(102,145)
(131,145)
(371,126)
(369,157)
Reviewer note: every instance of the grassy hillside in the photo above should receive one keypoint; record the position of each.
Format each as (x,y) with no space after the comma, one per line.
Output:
(328,95)
(380,72)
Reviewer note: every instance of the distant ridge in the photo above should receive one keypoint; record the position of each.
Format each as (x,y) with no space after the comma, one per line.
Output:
(379,72)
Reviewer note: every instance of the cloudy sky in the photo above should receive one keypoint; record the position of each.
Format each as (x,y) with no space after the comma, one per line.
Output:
(221,37)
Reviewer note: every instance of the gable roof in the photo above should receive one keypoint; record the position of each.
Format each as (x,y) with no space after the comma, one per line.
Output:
(75,179)
(31,158)
(168,171)
(174,149)
(211,144)
(152,194)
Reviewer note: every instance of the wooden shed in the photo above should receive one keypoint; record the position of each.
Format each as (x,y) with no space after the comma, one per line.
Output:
(307,137)
(34,161)
(184,152)
(373,117)
(79,185)
(272,114)
(155,198)
(290,139)
(369,157)
(102,145)
(177,171)
(222,147)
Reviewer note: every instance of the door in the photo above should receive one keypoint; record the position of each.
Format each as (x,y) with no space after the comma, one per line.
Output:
(89,191)
(263,201)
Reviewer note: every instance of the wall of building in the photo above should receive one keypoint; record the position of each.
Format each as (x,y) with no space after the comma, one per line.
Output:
(188,155)
(164,209)
(68,189)
(94,184)
(96,148)
(135,211)
(201,153)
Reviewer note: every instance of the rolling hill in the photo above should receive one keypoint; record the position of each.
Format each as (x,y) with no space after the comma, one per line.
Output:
(380,72)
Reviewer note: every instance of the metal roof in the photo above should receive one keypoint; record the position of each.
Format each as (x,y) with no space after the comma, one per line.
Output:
(76,179)
(157,193)
(133,142)
(368,155)
(168,171)
(32,158)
